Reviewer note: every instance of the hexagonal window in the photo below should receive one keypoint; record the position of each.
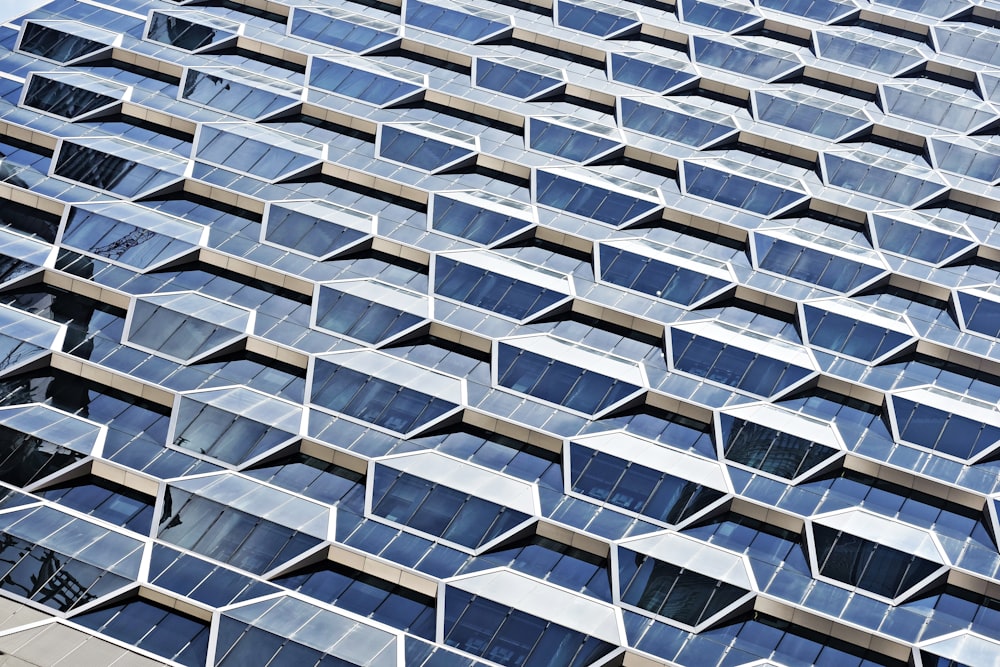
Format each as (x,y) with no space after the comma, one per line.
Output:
(185,326)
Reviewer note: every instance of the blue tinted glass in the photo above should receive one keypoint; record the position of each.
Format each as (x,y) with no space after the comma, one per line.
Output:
(153,628)
(452,22)
(590,201)
(740,191)
(742,61)
(256,157)
(308,233)
(943,431)
(366,595)
(63,99)
(666,281)
(980,315)
(851,336)
(228,94)
(658,495)
(568,143)
(374,400)
(473,222)
(771,450)
(559,382)
(673,125)
(418,150)
(229,535)
(593,21)
(822,11)
(440,511)
(512,81)
(967,161)
(875,567)
(184,34)
(119,241)
(733,366)
(651,76)
(339,32)
(491,291)
(676,593)
(814,266)
(717,17)
(878,182)
(359,318)
(26,458)
(114,503)
(915,241)
(48,42)
(864,54)
(343,79)
(510,637)
(109,172)
(800,115)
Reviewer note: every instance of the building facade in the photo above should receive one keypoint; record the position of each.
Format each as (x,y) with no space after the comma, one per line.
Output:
(533,333)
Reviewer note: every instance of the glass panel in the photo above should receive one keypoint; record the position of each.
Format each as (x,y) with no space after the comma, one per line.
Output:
(757,62)
(661,279)
(680,123)
(418,150)
(740,191)
(946,432)
(154,628)
(112,173)
(236,91)
(437,510)
(464,25)
(594,17)
(62,98)
(566,142)
(822,11)
(733,366)
(658,495)
(339,28)
(511,637)
(344,78)
(491,291)
(724,17)
(559,382)
(673,592)
(771,450)
(590,201)
(189,31)
(475,223)
(62,41)
(514,77)
(114,503)
(650,72)
(874,567)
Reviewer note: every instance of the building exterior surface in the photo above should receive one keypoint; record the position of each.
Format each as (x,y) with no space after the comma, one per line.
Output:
(529,333)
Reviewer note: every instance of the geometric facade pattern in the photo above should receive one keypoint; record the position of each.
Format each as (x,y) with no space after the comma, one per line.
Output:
(500,332)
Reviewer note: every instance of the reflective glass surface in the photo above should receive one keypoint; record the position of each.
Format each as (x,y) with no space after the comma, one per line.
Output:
(343,78)
(437,510)
(491,290)
(874,567)
(375,400)
(658,495)
(612,207)
(734,366)
(511,637)
(463,332)
(342,29)
(672,282)
(419,150)
(559,382)
(465,23)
